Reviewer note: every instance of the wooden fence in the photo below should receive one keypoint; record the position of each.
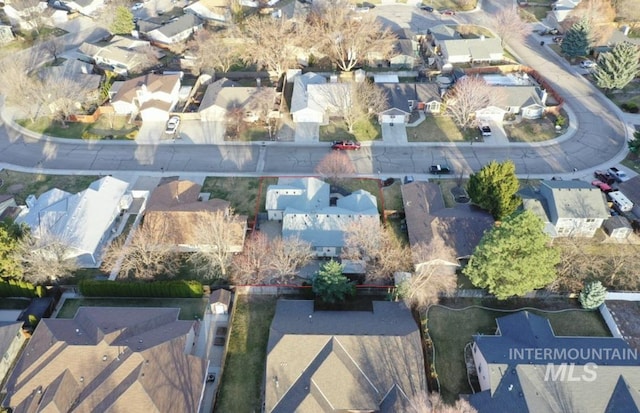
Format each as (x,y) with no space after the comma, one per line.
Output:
(92,118)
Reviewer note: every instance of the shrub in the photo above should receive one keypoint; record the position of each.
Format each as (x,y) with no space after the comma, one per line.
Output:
(593,295)
(174,289)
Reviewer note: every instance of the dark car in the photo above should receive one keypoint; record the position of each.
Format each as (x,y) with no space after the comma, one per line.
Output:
(485,130)
(427,8)
(439,169)
(345,145)
(604,176)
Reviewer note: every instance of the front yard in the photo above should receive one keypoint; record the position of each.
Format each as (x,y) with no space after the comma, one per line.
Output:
(451,329)
(439,129)
(107,126)
(241,192)
(242,378)
(362,131)
(21,185)
(535,130)
(190,308)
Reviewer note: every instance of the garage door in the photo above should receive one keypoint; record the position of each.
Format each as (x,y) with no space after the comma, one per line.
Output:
(490,115)
(395,119)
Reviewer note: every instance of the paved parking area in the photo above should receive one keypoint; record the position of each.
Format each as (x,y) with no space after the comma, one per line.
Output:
(626,314)
(396,134)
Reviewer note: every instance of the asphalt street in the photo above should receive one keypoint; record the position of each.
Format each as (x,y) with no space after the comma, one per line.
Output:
(599,139)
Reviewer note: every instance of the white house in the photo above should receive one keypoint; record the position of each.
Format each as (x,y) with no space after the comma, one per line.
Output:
(213,10)
(153,96)
(120,54)
(224,95)
(527,101)
(481,50)
(82,221)
(303,205)
(302,108)
(11,340)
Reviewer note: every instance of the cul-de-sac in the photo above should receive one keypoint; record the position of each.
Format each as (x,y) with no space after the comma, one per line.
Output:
(317,206)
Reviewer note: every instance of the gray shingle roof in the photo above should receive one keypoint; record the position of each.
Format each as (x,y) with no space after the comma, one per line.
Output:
(319,361)
(573,199)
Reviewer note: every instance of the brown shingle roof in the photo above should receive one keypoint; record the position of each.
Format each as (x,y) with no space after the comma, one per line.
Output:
(153,83)
(448,233)
(631,189)
(108,360)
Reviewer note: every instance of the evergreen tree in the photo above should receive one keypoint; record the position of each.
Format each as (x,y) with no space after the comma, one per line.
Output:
(593,295)
(513,258)
(10,262)
(619,67)
(577,41)
(495,188)
(122,21)
(634,144)
(330,284)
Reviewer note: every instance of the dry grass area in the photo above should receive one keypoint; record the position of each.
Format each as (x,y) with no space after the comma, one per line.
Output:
(21,185)
(241,192)
(439,129)
(534,130)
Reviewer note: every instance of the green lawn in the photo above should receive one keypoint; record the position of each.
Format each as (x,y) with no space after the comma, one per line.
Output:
(241,192)
(116,126)
(362,131)
(439,129)
(22,184)
(451,4)
(190,308)
(242,380)
(393,196)
(451,330)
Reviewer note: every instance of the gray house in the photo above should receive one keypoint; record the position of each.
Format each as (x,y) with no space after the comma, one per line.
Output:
(304,207)
(631,189)
(525,367)
(349,361)
(568,208)
(11,340)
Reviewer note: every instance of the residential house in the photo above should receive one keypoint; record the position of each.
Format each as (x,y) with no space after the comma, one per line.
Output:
(403,98)
(483,51)
(219,301)
(438,235)
(560,10)
(109,359)
(441,33)
(152,96)
(120,54)
(303,109)
(7,201)
(83,221)
(618,227)
(525,367)
(80,73)
(568,208)
(11,341)
(631,189)
(405,54)
(224,96)
(23,14)
(210,10)
(526,101)
(85,7)
(6,34)
(176,31)
(177,215)
(356,361)
(304,207)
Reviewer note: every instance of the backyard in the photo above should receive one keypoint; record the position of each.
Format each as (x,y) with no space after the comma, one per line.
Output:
(451,329)
(21,185)
(241,384)
(190,308)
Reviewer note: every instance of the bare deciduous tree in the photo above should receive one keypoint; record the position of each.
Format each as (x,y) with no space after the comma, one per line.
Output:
(45,258)
(217,236)
(64,95)
(335,166)
(600,15)
(34,14)
(629,11)
(145,256)
(23,90)
(271,43)
(212,50)
(426,285)
(470,94)
(286,256)
(250,267)
(508,24)
(433,403)
(348,40)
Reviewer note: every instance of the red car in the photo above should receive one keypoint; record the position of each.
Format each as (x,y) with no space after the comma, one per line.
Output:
(603,186)
(448,12)
(345,146)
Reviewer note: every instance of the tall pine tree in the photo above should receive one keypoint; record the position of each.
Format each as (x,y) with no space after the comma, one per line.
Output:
(495,188)
(577,41)
(619,67)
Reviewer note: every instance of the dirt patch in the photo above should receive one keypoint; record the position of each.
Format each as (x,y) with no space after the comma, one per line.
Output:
(626,314)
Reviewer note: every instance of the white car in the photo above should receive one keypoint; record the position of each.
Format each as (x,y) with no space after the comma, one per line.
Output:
(137,6)
(172,125)
(587,64)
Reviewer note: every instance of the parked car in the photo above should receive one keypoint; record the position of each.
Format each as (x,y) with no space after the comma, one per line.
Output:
(427,8)
(345,146)
(557,39)
(448,12)
(439,169)
(604,187)
(172,125)
(485,130)
(618,175)
(408,179)
(587,64)
(604,177)
(137,6)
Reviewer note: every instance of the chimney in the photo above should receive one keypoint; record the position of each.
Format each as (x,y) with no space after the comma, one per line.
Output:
(482,37)
(543,98)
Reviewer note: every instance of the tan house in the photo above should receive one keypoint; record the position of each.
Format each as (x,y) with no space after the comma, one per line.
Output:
(176,212)
(109,360)
(152,96)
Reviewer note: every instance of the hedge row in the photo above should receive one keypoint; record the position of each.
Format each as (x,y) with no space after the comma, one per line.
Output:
(18,288)
(175,289)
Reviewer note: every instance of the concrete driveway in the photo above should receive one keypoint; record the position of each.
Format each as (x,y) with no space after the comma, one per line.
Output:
(307,132)
(396,134)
